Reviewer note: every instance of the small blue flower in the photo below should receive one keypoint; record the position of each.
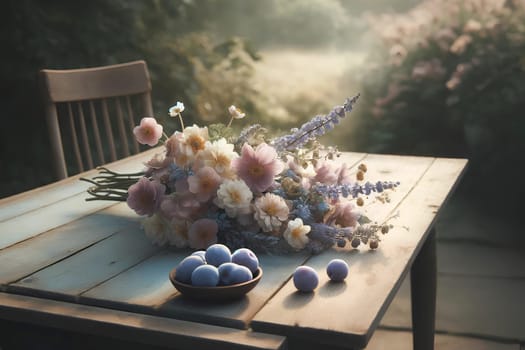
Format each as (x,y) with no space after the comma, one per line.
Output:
(303,211)
(323,207)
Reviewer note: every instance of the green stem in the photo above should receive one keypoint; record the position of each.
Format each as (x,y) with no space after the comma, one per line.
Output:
(181,122)
(230,123)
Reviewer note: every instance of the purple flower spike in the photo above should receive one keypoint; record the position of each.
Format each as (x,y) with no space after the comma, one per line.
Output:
(314,128)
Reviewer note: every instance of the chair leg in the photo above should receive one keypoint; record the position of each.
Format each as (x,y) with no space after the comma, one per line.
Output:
(423,278)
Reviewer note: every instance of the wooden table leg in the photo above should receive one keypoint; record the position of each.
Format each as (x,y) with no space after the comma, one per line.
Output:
(423,279)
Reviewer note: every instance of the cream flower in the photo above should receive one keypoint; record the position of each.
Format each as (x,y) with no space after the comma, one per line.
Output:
(194,139)
(219,155)
(179,233)
(234,196)
(157,229)
(296,233)
(270,212)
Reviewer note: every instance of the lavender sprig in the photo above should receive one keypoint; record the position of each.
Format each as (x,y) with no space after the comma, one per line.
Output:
(252,133)
(316,127)
(323,236)
(353,189)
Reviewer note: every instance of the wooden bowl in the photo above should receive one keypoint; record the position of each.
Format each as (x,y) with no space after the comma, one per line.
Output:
(233,291)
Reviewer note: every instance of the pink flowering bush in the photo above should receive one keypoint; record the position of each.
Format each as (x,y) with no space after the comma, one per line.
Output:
(276,195)
(447,78)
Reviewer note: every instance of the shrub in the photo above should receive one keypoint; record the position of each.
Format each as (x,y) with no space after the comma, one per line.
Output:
(448,79)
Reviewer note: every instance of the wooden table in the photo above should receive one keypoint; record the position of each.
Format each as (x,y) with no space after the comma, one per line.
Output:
(87,267)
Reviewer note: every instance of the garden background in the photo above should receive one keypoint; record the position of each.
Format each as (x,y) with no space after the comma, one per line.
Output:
(440,78)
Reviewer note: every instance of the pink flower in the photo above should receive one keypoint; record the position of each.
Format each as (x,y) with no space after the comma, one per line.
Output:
(257,167)
(175,149)
(148,132)
(325,174)
(145,196)
(182,206)
(203,233)
(158,162)
(204,183)
(343,214)
(343,175)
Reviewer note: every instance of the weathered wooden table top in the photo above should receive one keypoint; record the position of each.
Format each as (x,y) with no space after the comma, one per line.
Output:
(58,250)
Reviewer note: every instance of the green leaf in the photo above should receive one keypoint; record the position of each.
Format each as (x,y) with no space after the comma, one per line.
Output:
(363,219)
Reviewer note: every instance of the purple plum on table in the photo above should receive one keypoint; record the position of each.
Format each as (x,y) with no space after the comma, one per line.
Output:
(245,257)
(205,276)
(218,254)
(337,270)
(186,267)
(305,279)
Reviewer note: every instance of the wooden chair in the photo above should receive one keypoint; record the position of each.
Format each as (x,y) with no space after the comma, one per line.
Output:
(114,96)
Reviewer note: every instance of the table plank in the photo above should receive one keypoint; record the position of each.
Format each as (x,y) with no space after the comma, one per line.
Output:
(374,276)
(147,284)
(26,257)
(148,289)
(90,267)
(127,326)
(43,196)
(33,223)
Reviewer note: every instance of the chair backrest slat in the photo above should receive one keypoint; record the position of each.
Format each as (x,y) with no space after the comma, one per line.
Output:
(109,130)
(101,82)
(114,98)
(122,128)
(147,108)
(131,123)
(96,133)
(74,138)
(84,136)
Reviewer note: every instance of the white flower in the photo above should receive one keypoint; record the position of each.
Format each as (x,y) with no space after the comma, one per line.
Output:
(179,233)
(234,196)
(157,229)
(218,155)
(296,233)
(163,232)
(236,113)
(270,212)
(177,109)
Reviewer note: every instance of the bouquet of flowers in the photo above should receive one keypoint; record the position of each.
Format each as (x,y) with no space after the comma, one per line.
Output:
(275,195)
